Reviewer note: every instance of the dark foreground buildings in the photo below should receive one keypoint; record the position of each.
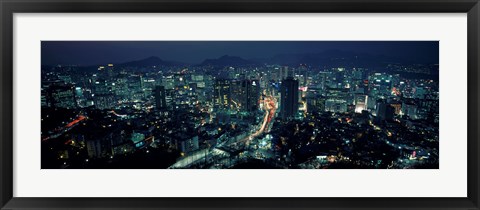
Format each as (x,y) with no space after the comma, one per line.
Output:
(289,95)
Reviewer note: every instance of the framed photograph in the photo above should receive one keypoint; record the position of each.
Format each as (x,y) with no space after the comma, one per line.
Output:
(265,104)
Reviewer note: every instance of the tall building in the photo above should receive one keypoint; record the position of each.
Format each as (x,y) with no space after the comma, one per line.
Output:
(336,105)
(121,87)
(385,111)
(428,108)
(136,82)
(136,87)
(222,94)
(160,97)
(283,73)
(188,145)
(101,87)
(61,95)
(289,98)
(103,97)
(302,73)
(94,148)
(361,101)
(409,108)
(236,94)
(111,71)
(315,102)
(250,95)
(336,100)
(104,101)
(43,97)
(380,84)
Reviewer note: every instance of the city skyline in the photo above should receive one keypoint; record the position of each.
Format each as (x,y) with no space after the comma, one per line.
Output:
(333,109)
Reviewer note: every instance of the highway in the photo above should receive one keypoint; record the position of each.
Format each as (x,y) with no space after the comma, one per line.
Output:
(270,109)
(61,130)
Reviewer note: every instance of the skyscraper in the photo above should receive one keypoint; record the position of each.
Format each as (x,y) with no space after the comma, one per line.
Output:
(385,111)
(289,98)
(111,71)
(250,95)
(222,93)
(61,95)
(361,101)
(103,95)
(283,73)
(160,97)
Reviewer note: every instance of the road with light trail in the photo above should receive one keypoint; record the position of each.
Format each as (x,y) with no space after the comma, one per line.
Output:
(270,109)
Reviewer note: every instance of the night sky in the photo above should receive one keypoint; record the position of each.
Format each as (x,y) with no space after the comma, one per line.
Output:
(194,52)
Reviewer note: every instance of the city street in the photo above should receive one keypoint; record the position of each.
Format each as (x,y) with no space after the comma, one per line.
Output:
(270,109)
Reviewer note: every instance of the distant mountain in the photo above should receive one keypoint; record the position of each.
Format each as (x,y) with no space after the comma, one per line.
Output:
(227,60)
(138,64)
(327,59)
(330,58)
(150,61)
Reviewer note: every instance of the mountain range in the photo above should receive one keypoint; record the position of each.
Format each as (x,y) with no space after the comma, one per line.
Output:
(150,61)
(330,58)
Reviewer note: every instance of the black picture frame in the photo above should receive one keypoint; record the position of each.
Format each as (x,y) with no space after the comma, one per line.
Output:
(9,7)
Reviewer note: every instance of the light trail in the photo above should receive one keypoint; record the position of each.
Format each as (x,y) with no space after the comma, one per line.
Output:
(62,130)
(269,105)
(270,109)
(116,114)
(80,118)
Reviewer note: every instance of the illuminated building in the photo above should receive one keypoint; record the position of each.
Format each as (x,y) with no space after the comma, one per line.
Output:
(65,78)
(168,82)
(315,102)
(179,79)
(222,94)
(121,87)
(410,109)
(111,71)
(336,100)
(301,74)
(397,107)
(94,148)
(186,143)
(148,86)
(43,97)
(101,87)
(104,101)
(236,96)
(136,83)
(360,103)
(103,96)
(419,92)
(138,140)
(335,105)
(429,106)
(380,83)
(99,144)
(170,98)
(282,73)
(160,97)
(61,95)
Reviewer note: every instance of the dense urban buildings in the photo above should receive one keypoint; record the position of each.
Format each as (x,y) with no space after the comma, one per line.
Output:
(339,107)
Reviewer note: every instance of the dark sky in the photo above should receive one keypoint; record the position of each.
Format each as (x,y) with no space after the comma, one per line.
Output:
(102,52)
